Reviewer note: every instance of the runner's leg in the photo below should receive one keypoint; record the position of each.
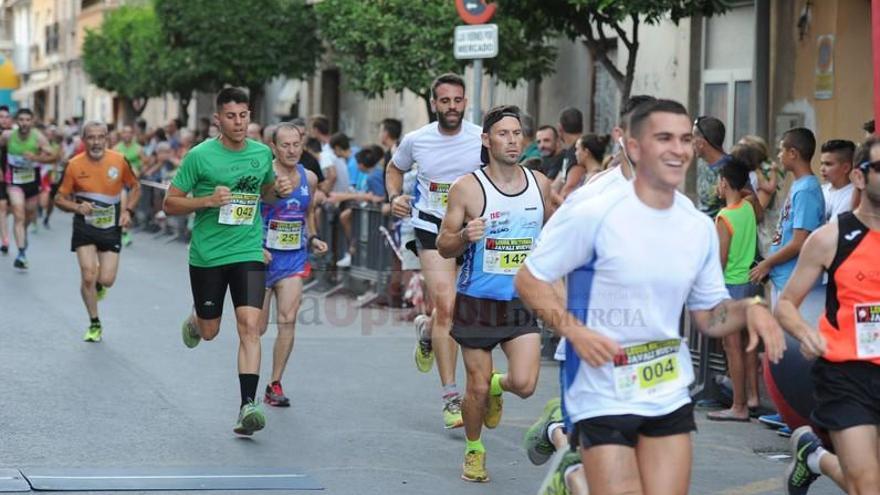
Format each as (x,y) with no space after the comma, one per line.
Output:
(288,298)
(108,266)
(17,202)
(664,464)
(87,257)
(858,450)
(439,276)
(523,364)
(614,470)
(478,366)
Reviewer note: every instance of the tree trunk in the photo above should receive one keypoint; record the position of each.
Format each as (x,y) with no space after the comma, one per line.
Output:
(256,97)
(427,99)
(183,108)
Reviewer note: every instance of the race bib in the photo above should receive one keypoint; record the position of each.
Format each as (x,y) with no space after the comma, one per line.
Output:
(286,236)
(867,330)
(23,175)
(241,210)
(102,217)
(645,370)
(438,195)
(505,256)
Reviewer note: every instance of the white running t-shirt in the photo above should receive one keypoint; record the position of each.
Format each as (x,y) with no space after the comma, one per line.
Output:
(442,159)
(837,201)
(647,265)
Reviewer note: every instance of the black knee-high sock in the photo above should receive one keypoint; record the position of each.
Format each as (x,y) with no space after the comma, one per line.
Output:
(248,384)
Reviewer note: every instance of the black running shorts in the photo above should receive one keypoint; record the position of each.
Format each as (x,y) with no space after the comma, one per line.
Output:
(625,429)
(485,323)
(246,282)
(103,239)
(847,394)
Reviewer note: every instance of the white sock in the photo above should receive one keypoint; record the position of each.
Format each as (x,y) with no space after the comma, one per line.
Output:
(814,458)
(551,428)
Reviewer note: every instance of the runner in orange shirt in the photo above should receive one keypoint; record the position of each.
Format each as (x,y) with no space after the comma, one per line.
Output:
(92,189)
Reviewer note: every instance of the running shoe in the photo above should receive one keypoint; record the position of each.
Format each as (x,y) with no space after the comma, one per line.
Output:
(4,249)
(101,291)
(784,432)
(494,409)
(772,420)
(423,353)
(474,467)
(126,239)
(93,334)
(344,262)
(250,419)
(556,484)
(191,337)
(538,446)
(46,222)
(452,413)
(20,262)
(275,395)
(798,475)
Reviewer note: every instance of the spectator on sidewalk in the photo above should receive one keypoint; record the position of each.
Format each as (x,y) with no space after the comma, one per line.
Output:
(837,163)
(709,134)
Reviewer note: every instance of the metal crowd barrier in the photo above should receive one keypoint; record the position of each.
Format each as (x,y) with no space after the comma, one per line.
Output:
(324,275)
(370,270)
(709,361)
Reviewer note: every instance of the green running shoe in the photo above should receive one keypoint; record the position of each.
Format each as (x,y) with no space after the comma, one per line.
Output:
(495,407)
(126,239)
(250,419)
(423,353)
(538,446)
(190,333)
(474,467)
(452,413)
(93,334)
(798,476)
(101,291)
(556,481)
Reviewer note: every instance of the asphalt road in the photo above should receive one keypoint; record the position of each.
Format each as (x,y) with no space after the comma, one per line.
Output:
(363,420)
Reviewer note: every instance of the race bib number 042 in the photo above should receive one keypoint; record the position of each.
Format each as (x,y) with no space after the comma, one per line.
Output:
(241,210)
(645,370)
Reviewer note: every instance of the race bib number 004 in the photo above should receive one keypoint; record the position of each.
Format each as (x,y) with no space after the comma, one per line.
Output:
(438,195)
(867,330)
(285,236)
(505,256)
(645,370)
(102,217)
(241,210)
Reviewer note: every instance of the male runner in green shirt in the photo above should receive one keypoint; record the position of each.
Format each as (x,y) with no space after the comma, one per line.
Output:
(226,178)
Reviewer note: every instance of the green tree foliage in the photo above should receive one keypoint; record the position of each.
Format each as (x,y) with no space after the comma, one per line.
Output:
(599,22)
(403,45)
(122,55)
(220,42)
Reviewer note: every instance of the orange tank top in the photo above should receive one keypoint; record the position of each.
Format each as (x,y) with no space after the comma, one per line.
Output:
(851,323)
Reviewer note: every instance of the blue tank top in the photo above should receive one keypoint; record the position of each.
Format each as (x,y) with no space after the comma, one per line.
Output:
(284,222)
(513,223)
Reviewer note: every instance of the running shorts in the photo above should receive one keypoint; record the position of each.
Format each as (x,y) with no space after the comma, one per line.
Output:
(847,394)
(485,323)
(624,429)
(246,282)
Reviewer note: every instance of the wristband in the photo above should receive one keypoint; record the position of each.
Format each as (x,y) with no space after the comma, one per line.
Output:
(392,197)
(312,238)
(130,211)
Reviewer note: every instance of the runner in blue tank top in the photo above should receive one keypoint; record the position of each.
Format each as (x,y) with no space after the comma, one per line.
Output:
(287,225)
(503,207)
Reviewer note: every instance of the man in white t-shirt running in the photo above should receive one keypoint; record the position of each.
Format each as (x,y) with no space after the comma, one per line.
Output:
(837,163)
(444,150)
(627,369)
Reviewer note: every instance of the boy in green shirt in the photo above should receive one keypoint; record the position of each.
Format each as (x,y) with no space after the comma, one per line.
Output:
(737,234)
(223,180)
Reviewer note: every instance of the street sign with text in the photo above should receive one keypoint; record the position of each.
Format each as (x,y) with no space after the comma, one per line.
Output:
(475,42)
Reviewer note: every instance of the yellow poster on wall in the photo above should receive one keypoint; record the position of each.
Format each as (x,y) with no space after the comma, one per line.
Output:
(825,67)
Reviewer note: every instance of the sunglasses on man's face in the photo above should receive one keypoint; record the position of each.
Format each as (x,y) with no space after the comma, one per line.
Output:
(866,165)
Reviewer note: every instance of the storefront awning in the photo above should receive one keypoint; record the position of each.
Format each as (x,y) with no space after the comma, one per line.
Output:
(33,86)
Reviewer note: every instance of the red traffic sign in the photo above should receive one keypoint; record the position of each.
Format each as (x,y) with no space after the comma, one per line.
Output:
(475,11)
